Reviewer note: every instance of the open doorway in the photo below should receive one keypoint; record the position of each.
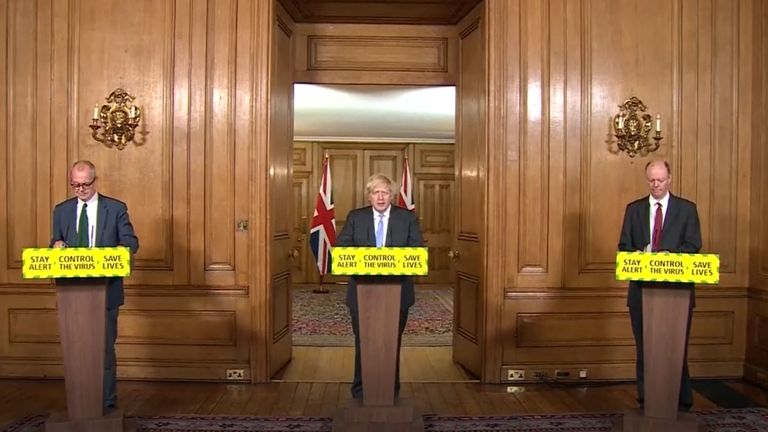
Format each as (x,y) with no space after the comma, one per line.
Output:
(367,129)
(433,44)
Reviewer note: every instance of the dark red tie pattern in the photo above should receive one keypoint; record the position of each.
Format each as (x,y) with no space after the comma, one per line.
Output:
(658,221)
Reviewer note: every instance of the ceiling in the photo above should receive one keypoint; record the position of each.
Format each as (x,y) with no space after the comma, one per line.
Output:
(367,113)
(428,12)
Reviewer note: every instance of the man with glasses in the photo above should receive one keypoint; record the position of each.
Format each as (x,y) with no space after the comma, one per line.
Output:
(90,219)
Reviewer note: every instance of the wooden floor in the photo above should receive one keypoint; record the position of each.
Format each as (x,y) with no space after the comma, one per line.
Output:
(336,364)
(19,398)
(316,383)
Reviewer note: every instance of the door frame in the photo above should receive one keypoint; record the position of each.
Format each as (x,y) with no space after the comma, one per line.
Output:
(496,254)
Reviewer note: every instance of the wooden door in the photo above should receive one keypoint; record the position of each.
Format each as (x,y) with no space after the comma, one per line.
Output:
(351,165)
(304,199)
(302,260)
(281,248)
(432,168)
(471,201)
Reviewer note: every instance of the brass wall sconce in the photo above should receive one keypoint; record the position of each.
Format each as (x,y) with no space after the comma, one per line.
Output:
(632,126)
(119,117)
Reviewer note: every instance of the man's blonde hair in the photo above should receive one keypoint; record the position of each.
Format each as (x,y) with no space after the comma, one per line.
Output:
(378,179)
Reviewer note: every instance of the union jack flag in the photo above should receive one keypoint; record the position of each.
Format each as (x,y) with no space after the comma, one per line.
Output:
(405,198)
(322,231)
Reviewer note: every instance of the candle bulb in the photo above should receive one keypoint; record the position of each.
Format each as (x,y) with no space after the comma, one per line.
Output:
(658,122)
(621,121)
(96,112)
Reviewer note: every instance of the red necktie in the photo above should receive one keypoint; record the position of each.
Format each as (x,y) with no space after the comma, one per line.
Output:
(658,221)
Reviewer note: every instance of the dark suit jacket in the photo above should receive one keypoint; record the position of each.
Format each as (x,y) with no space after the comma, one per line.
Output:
(113,228)
(403,230)
(680,233)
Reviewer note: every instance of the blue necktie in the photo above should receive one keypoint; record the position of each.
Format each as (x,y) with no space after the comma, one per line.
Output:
(82,228)
(380,231)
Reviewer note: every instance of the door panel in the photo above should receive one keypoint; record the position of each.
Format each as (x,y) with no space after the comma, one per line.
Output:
(280,187)
(471,152)
(302,261)
(346,170)
(387,162)
(435,208)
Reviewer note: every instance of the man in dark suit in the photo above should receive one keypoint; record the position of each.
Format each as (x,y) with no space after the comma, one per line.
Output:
(380,224)
(90,219)
(678,231)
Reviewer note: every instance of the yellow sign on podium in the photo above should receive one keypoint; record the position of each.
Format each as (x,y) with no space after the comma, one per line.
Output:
(668,267)
(373,261)
(41,263)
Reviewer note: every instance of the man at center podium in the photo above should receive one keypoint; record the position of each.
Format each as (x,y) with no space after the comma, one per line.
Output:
(90,219)
(379,225)
(660,222)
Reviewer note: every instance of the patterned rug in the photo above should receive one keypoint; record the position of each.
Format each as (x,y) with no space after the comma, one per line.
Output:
(724,420)
(323,319)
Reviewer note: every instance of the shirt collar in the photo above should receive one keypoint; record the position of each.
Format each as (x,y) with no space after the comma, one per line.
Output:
(92,203)
(386,212)
(664,201)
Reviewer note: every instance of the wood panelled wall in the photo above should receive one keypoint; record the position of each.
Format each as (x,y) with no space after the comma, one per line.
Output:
(567,67)
(202,297)
(192,67)
(756,365)
(376,54)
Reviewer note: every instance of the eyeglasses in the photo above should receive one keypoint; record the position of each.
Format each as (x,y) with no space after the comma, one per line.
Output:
(82,185)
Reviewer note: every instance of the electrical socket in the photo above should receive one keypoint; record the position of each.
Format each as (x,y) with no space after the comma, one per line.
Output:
(539,374)
(235,374)
(562,374)
(515,374)
(583,374)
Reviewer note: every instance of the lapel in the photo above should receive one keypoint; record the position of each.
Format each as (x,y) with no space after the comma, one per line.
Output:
(370,227)
(672,213)
(70,230)
(645,217)
(102,212)
(391,226)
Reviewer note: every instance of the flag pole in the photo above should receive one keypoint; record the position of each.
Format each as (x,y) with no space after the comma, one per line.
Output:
(321,289)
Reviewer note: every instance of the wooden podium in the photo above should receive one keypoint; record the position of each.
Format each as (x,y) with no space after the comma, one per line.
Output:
(82,328)
(81,276)
(379,311)
(665,321)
